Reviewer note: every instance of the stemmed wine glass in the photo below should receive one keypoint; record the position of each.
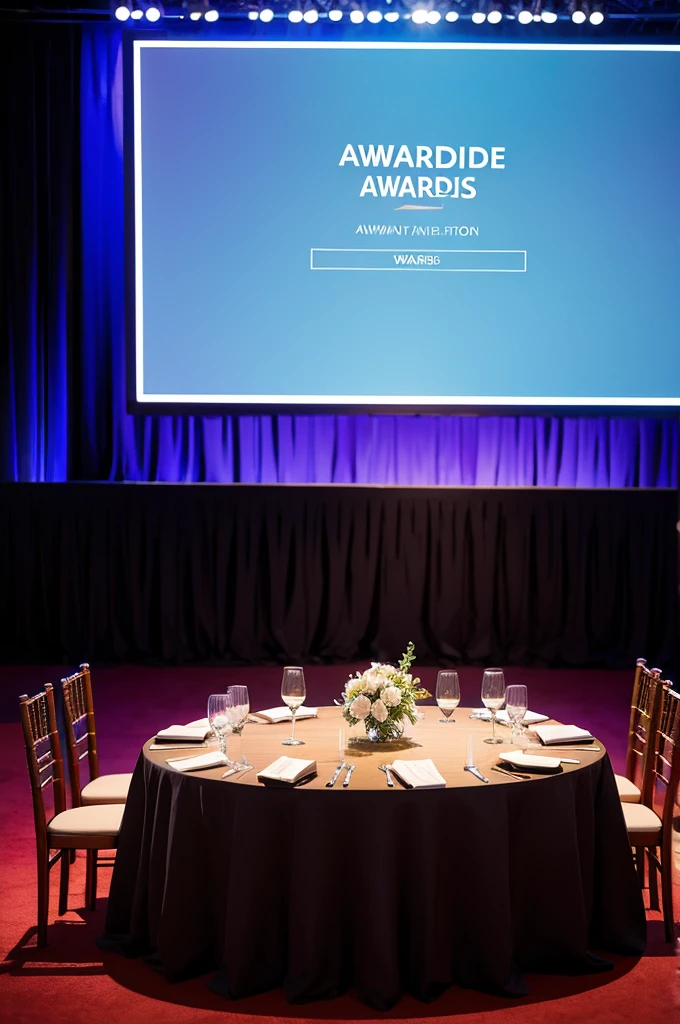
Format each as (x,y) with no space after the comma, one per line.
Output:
(219,719)
(447,694)
(493,696)
(237,711)
(293,693)
(516,704)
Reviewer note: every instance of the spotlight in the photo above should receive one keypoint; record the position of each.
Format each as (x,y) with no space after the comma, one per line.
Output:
(335,14)
(266,14)
(548,15)
(452,15)
(524,16)
(137,12)
(392,16)
(253,15)
(575,10)
(212,14)
(479,17)
(374,17)
(433,17)
(295,16)
(597,14)
(419,16)
(195,8)
(495,14)
(311,15)
(356,17)
(122,11)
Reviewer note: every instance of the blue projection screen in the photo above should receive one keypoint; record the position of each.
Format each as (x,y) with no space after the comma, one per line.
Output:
(406,225)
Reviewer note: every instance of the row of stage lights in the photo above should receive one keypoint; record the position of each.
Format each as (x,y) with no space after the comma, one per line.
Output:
(493,12)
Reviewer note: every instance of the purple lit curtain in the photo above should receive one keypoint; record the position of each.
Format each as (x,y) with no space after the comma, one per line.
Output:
(62,376)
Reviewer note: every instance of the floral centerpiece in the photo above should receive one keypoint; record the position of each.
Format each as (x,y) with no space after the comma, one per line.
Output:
(383,696)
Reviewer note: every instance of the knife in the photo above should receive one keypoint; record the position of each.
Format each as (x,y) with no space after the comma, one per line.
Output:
(350,769)
(335,775)
(475,771)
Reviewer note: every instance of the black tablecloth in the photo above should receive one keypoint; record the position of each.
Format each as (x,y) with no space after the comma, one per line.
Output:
(388,893)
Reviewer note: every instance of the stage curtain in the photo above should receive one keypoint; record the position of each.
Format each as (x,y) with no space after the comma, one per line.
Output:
(62,374)
(292,574)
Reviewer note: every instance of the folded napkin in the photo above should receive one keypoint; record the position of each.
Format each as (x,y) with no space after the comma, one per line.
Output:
(563,734)
(213,759)
(287,771)
(184,733)
(530,717)
(200,723)
(419,774)
(273,715)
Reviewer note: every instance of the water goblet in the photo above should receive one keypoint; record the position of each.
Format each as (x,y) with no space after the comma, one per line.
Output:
(238,709)
(493,697)
(293,693)
(219,719)
(447,694)
(516,704)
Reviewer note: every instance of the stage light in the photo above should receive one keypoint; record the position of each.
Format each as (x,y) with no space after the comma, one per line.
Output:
(576,11)
(295,16)
(212,14)
(137,13)
(392,16)
(374,17)
(335,14)
(451,15)
(153,13)
(419,16)
(253,15)
(548,15)
(356,17)
(597,14)
(311,15)
(479,17)
(266,14)
(495,14)
(433,17)
(524,16)
(122,12)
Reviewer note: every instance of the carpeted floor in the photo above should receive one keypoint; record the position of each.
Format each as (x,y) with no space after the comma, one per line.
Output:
(72,982)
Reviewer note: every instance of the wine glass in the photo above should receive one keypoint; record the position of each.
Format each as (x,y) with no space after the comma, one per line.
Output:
(293,693)
(493,696)
(516,704)
(219,719)
(237,710)
(447,694)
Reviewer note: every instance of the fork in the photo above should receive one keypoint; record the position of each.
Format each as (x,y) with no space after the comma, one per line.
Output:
(386,769)
(512,775)
(350,769)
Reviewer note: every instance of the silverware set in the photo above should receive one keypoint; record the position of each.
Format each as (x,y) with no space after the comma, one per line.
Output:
(512,775)
(349,768)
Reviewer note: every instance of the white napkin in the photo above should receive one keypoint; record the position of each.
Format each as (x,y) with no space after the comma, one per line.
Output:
(287,769)
(419,774)
(284,714)
(213,759)
(530,717)
(562,734)
(200,723)
(183,732)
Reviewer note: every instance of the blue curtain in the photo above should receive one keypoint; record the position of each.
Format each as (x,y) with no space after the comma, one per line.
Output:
(62,397)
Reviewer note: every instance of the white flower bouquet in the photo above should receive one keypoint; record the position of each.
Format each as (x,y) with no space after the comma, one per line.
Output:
(383,696)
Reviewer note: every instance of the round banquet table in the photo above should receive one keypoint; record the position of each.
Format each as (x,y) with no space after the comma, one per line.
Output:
(389,891)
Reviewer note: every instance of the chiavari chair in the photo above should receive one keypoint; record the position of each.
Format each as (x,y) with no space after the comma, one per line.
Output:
(90,828)
(649,833)
(81,743)
(645,709)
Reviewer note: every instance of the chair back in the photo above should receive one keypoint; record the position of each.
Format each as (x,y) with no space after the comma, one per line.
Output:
(664,766)
(43,753)
(81,734)
(645,709)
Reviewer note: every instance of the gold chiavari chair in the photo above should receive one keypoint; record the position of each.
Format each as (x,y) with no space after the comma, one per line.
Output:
(645,709)
(646,830)
(81,742)
(80,828)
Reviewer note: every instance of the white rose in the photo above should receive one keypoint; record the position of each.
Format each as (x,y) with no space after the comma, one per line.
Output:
(361,707)
(379,711)
(369,681)
(391,696)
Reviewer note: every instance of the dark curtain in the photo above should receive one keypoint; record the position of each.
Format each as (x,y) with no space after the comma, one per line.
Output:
(62,396)
(174,573)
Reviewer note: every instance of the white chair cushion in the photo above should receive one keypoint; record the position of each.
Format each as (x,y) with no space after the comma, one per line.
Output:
(95,820)
(628,791)
(107,789)
(640,818)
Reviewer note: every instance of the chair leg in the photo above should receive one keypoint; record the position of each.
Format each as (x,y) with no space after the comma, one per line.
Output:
(667,887)
(43,898)
(653,882)
(91,880)
(72,856)
(640,861)
(63,881)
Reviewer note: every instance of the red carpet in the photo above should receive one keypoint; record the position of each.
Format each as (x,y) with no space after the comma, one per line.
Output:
(71,981)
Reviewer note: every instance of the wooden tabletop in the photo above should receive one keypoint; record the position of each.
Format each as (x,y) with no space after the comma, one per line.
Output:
(445,744)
